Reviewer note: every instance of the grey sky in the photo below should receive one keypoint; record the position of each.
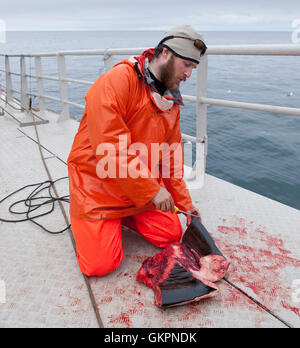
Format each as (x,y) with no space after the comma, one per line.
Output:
(142,15)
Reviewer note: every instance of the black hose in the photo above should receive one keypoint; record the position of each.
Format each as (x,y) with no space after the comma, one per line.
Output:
(31,206)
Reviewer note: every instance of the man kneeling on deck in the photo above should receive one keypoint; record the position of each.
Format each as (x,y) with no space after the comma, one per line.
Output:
(126,166)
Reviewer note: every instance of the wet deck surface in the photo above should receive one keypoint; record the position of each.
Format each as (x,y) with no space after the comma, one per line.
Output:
(44,287)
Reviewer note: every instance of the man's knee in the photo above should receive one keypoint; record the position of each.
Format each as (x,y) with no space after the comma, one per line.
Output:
(98,245)
(101,266)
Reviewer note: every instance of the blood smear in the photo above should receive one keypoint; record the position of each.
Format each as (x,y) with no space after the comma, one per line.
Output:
(259,262)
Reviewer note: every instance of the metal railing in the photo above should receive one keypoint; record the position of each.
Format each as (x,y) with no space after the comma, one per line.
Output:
(200,98)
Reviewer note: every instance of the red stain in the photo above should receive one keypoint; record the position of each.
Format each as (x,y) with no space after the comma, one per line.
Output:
(121,274)
(240,231)
(137,258)
(74,301)
(139,303)
(232,297)
(122,319)
(119,291)
(293,309)
(257,262)
(105,300)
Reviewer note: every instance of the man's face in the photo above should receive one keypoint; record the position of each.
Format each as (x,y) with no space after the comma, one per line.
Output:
(174,71)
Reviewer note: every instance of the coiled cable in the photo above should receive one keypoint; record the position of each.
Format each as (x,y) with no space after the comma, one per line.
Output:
(34,201)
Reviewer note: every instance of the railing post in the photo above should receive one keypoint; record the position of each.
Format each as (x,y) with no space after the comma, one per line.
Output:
(108,61)
(201,126)
(8,83)
(39,80)
(201,122)
(24,89)
(63,86)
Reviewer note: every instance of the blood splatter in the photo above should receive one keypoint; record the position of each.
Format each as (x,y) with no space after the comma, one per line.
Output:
(260,262)
(122,318)
(293,309)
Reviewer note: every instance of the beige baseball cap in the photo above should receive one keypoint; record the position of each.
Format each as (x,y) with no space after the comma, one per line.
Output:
(184,42)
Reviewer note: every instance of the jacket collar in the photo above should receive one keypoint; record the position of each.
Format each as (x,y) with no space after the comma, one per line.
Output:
(141,66)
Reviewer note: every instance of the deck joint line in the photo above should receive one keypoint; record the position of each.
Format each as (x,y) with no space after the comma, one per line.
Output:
(258,303)
(53,154)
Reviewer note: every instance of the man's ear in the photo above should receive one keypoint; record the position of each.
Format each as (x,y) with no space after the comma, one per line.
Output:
(165,53)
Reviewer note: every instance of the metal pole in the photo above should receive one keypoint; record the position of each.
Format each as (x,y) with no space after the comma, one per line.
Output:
(24,89)
(201,108)
(63,86)
(201,126)
(252,106)
(8,86)
(40,88)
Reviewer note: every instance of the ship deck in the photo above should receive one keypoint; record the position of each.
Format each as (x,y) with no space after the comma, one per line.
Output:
(45,288)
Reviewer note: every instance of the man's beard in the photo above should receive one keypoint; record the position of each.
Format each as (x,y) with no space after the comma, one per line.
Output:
(167,75)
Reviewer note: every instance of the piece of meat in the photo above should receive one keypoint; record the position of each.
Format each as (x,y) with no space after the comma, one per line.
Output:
(180,288)
(212,267)
(185,272)
(178,275)
(157,268)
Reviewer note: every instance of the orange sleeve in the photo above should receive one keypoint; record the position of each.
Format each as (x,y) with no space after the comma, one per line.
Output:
(106,105)
(175,183)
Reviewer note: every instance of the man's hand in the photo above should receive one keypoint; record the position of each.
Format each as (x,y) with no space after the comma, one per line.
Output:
(163,200)
(189,218)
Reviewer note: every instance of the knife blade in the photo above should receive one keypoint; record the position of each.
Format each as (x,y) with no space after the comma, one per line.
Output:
(176,210)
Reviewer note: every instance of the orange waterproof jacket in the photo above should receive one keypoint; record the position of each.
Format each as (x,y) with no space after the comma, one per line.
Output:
(120,105)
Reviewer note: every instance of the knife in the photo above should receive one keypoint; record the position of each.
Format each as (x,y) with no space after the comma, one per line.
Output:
(176,210)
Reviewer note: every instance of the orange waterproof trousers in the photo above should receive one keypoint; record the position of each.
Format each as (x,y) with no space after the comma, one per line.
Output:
(99,243)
